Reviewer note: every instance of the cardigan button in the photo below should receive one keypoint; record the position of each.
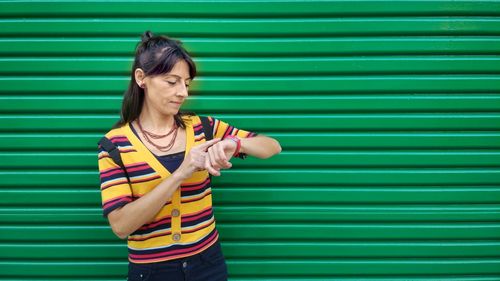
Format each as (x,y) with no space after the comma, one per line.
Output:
(176,236)
(175,213)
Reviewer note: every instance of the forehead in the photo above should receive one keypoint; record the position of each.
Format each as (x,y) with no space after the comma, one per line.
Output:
(176,76)
(180,70)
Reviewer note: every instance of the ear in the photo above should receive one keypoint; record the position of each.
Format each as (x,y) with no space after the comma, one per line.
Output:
(139,76)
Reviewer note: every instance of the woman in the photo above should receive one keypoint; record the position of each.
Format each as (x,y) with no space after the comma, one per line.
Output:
(161,202)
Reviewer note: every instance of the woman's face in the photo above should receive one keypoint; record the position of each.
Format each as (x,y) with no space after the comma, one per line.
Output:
(166,93)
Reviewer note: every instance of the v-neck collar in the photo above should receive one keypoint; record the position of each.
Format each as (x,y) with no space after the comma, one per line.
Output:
(149,157)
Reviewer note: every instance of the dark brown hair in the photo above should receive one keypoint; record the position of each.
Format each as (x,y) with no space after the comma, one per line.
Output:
(155,55)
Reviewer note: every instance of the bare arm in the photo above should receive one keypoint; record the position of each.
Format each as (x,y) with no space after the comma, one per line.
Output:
(260,146)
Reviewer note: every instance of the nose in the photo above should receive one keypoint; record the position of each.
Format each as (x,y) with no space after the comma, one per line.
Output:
(183,92)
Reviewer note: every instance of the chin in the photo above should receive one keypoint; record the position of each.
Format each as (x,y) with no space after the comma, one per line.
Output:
(171,112)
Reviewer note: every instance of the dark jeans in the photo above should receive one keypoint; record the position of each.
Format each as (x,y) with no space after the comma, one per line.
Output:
(208,265)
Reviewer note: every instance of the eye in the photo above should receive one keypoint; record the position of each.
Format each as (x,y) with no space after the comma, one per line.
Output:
(187,85)
(171,82)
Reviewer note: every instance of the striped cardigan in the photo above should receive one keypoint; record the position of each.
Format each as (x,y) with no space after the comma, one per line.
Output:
(185,225)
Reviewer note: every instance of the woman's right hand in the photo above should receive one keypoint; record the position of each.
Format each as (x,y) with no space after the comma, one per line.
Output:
(129,218)
(195,159)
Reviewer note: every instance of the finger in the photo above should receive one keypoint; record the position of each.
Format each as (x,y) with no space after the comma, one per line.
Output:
(213,160)
(209,167)
(220,159)
(215,157)
(222,155)
(208,144)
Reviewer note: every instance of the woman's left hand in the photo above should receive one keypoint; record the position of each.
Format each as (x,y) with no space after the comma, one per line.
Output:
(218,156)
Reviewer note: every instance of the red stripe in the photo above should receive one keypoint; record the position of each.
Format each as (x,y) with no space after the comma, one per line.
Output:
(195,187)
(228,131)
(111,202)
(119,139)
(149,237)
(127,166)
(109,170)
(192,218)
(138,168)
(155,224)
(110,173)
(196,213)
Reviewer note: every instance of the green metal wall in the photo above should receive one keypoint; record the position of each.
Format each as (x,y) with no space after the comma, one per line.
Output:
(388,113)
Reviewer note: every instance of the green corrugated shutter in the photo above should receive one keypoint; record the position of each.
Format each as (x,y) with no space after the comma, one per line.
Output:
(388,113)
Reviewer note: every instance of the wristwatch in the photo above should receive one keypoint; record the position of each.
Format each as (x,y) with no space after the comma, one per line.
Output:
(238,147)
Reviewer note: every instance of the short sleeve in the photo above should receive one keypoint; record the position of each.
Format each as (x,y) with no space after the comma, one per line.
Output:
(115,189)
(223,129)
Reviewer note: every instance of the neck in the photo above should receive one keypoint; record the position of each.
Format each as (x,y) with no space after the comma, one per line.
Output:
(156,122)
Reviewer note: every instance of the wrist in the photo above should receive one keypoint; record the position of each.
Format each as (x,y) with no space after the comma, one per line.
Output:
(179,176)
(239,152)
(242,147)
(238,144)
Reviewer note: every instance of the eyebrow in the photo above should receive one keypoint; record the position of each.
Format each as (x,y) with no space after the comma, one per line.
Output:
(189,78)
